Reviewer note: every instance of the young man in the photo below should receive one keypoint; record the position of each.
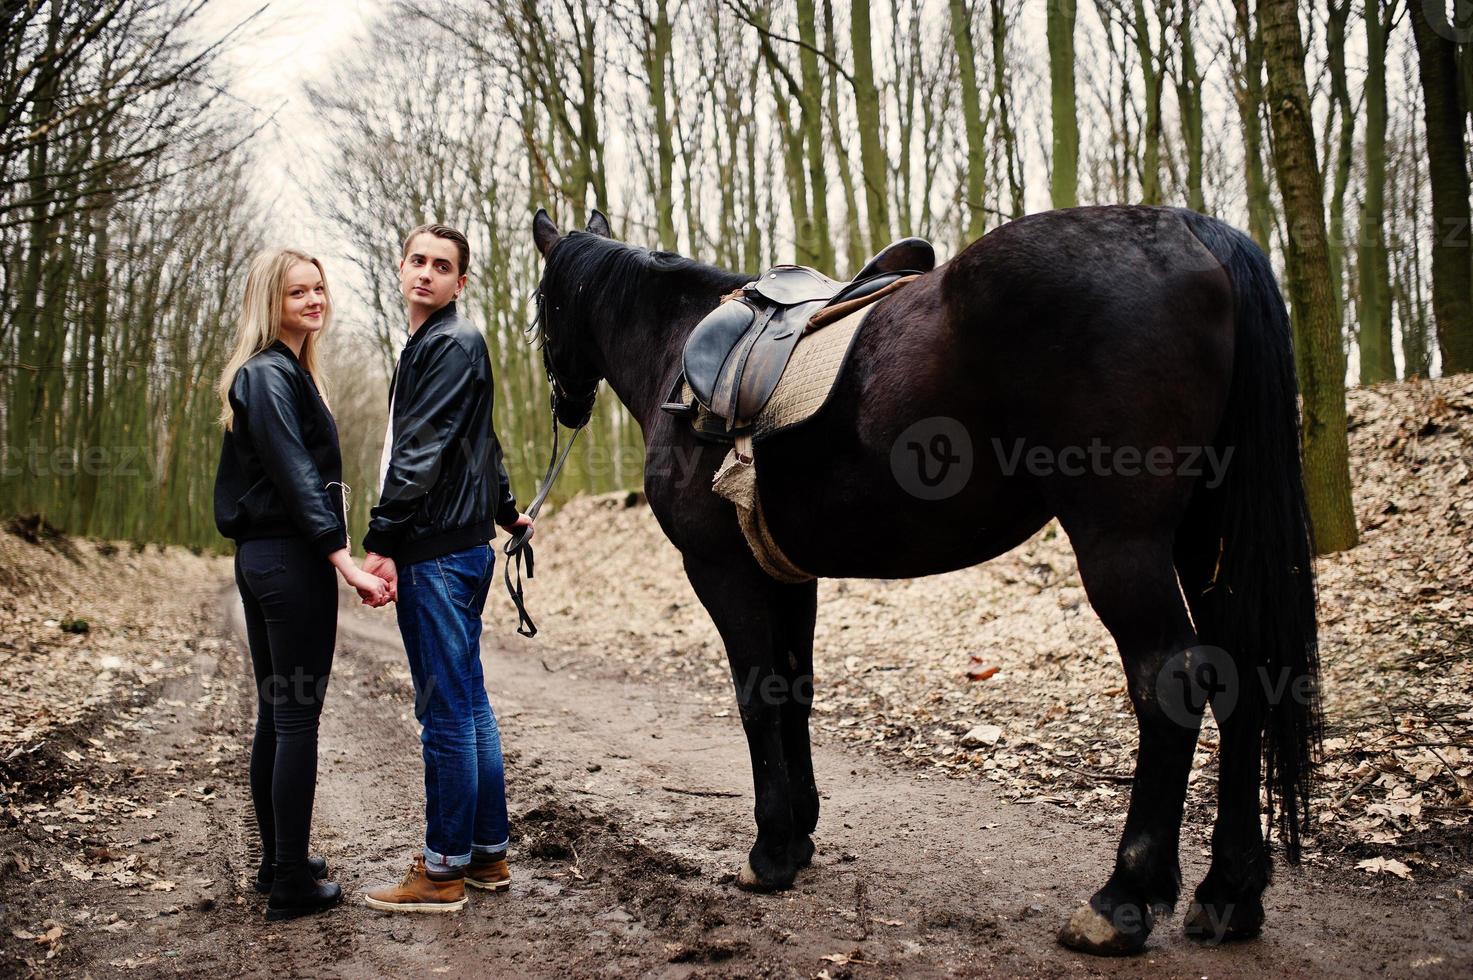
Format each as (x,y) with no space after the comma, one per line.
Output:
(444,486)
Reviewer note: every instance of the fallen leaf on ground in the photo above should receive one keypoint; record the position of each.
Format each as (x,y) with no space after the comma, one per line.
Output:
(1381,865)
(982,735)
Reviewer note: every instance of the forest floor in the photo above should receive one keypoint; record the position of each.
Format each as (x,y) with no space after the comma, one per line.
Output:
(966,811)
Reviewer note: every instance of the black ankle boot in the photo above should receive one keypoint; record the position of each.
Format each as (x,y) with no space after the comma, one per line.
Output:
(267,873)
(294,892)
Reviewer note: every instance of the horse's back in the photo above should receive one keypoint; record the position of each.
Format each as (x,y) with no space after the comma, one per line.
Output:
(1060,331)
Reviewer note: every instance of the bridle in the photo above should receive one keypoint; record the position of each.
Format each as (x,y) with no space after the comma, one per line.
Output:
(519,548)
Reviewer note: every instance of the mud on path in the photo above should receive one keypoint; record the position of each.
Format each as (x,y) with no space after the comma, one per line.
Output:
(631,805)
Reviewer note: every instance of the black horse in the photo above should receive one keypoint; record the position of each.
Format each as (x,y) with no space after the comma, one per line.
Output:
(1092,358)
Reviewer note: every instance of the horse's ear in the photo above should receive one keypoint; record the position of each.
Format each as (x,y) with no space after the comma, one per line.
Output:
(599,225)
(544,232)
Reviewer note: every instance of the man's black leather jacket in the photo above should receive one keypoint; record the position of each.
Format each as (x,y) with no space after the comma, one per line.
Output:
(446,486)
(280,471)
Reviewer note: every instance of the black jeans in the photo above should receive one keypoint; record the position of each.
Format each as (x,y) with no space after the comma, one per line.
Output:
(291,613)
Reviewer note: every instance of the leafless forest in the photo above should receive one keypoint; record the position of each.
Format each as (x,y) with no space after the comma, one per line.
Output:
(736,131)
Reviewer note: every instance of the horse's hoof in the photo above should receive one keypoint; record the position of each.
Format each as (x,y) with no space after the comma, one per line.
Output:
(1215,922)
(1090,932)
(801,851)
(749,881)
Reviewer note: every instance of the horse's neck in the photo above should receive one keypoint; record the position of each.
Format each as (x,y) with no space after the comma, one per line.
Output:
(639,363)
(641,355)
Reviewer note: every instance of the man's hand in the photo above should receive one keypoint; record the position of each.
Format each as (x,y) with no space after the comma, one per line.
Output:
(522,521)
(383,567)
(373,590)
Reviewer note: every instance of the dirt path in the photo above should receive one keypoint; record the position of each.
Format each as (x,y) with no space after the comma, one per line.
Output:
(631,804)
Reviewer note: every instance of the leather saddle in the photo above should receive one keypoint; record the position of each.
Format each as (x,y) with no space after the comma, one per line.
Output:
(735,357)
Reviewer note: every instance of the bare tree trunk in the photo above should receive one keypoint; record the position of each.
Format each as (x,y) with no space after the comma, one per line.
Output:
(752,241)
(975,224)
(1340,106)
(1064,181)
(1151,64)
(1189,101)
(1465,71)
(657,64)
(867,112)
(1372,261)
(1452,260)
(26,382)
(1123,151)
(1249,97)
(1406,185)
(97,301)
(1004,107)
(976,167)
(790,138)
(905,88)
(817,238)
(853,232)
(1311,292)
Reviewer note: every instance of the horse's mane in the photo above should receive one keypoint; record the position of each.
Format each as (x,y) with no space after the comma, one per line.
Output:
(596,276)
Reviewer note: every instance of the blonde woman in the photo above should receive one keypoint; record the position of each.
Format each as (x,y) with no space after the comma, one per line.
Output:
(279,495)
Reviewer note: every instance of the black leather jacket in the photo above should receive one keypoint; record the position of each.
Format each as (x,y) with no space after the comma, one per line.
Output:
(446,486)
(280,469)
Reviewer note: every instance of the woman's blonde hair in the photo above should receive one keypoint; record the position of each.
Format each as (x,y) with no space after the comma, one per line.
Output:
(259,324)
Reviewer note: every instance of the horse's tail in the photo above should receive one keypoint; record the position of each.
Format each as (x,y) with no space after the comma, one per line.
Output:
(1252,530)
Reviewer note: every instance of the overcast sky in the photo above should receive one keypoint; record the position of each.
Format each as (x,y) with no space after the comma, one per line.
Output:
(277,53)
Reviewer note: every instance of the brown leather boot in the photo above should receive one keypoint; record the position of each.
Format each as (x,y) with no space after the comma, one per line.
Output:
(493,876)
(421,891)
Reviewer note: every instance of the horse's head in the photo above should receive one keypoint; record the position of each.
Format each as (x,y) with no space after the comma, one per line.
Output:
(563,310)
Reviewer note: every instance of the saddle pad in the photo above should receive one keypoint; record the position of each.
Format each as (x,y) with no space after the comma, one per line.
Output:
(736,480)
(810,376)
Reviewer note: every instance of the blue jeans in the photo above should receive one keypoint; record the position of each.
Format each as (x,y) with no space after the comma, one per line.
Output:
(439,610)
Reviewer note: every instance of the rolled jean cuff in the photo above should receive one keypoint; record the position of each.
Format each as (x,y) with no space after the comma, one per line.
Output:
(490,850)
(446,860)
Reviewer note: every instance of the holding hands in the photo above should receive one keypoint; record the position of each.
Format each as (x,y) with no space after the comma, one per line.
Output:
(377,582)
(373,590)
(381,569)
(373,587)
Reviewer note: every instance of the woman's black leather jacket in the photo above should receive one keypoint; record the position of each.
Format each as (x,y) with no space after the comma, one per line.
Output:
(280,469)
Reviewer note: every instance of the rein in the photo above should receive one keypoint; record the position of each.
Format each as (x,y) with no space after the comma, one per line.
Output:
(519,548)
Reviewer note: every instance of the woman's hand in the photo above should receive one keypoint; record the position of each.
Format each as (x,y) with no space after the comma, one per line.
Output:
(373,590)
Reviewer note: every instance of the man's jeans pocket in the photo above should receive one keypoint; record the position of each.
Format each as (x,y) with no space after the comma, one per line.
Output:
(466,577)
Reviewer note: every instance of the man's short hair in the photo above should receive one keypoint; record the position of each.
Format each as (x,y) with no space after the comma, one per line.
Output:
(462,246)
